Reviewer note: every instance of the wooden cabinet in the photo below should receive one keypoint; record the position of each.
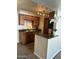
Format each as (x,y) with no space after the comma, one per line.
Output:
(21,19)
(36,22)
(45,31)
(34,19)
(26,37)
(22,37)
(29,37)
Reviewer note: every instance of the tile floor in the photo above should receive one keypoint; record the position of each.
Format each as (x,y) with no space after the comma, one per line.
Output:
(26,51)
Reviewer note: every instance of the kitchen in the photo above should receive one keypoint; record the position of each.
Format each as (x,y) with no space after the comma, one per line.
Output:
(30,24)
(33,26)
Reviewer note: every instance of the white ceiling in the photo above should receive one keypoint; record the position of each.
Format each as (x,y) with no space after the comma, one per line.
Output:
(30,4)
(53,4)
(25,5)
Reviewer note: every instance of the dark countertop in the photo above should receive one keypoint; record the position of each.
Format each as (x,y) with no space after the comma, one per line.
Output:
(29,30)
(46,36)
(37,32)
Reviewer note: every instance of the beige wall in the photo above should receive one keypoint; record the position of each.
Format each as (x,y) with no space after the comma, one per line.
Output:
(41,24)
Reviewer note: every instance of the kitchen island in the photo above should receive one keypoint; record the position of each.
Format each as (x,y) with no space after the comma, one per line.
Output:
(46,47)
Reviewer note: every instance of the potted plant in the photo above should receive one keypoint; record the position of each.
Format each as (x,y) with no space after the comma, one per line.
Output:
(54,31)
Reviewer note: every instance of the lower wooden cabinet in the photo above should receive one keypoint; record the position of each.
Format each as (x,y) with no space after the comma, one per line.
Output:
(22,37)
(29,37)
(26,37)
(23,17)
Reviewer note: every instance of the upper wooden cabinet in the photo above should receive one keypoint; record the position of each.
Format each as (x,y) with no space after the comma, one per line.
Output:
(21,19)
(34,19)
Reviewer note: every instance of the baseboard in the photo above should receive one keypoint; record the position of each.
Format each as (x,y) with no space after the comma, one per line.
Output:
(55,54)
(37,55)
(51,57)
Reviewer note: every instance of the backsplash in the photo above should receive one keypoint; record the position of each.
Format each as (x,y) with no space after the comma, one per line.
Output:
(27,25)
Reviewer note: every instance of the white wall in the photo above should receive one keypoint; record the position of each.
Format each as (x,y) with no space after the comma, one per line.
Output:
(58,25)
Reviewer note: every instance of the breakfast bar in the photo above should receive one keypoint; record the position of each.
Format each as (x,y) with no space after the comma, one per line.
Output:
(46,47)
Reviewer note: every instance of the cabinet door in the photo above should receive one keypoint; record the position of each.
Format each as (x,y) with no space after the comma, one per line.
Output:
(45,31)
(22,37)
(36,21)
(21,19)
(29,37)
